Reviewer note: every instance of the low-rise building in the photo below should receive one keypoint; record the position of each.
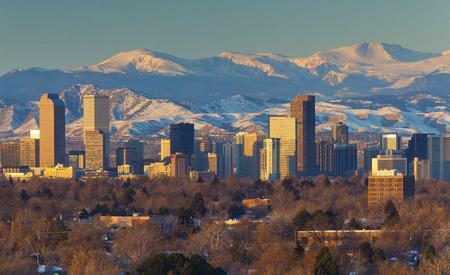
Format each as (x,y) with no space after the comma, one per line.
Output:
(59,172)
(124,221)
(389,185)
(157,169)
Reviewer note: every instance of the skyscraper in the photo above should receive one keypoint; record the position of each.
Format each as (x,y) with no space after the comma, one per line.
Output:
(247,155)
(391,142)
(96,117)
(131,154)
(182,139)
(389,162)
(9,154)
(339,133)
(178,165)
(324,157)
(303,110)
(29,152)
(212,163)
(52,126)
(344,160)
(76,159)
(270,159)
(438,154)
(94,142)
(417,146)
(285,129)
(224,152)
(202,147)
(165,148)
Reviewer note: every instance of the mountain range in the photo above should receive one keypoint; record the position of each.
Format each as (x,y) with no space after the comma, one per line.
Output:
(372,86)
(358,70)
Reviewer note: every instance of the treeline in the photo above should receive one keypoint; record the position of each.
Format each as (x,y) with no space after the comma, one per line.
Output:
(37,226)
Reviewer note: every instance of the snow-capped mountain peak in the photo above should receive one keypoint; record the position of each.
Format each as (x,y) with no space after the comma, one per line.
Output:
(140,60)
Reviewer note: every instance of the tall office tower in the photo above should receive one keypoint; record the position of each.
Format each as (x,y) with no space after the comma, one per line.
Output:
(344,160)
(9,154)
(270,159)
(369,154)
(262,165)
(324,157)
(389,185)
(390,162)
(94,143)
(52,126)
(421,169)
(165,148)
(76,159)
(29,152)
(182,140)
(285,129)
(417,146)
(96,117)
(247,159)
(339,133)
(212,163)
(179,165)
(303,110)
(224,151)
(391,142)
(132,153)
(202,147)
(438,153)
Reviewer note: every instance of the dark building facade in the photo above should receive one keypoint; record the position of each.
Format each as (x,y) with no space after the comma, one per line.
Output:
(324,154)
(417,146)
(303,110)
(339,133)
(131,154)
(345,160)
(182,138)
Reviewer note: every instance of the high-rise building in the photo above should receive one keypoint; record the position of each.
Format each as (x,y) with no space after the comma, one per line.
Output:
(270,159)
(389,185)
(391,142)
(179,165)
(344,160)
(369,154)
(285,129)
(303,110)
(390,162)
(76,159)
(29,152)
(421,169)
(417,146)
(202,147)
(182,139)
(165,148)
(339,133)
(96,117)
(438,153)
(324,157)
(224,151)
(94,142)
(212,163)
(52,126)
(9,154)
(132,153)
(247,155)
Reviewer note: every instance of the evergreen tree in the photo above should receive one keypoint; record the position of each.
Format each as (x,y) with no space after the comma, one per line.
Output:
(24,195)
(301,219)
(325,263)
(198,205)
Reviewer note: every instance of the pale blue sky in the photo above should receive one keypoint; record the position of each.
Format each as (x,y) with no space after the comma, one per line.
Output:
(65,34)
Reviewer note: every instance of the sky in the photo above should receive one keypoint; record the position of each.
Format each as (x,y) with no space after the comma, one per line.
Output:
(66,34)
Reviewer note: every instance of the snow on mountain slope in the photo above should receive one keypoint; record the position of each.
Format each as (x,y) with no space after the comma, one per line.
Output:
(140,60)
(135,115)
